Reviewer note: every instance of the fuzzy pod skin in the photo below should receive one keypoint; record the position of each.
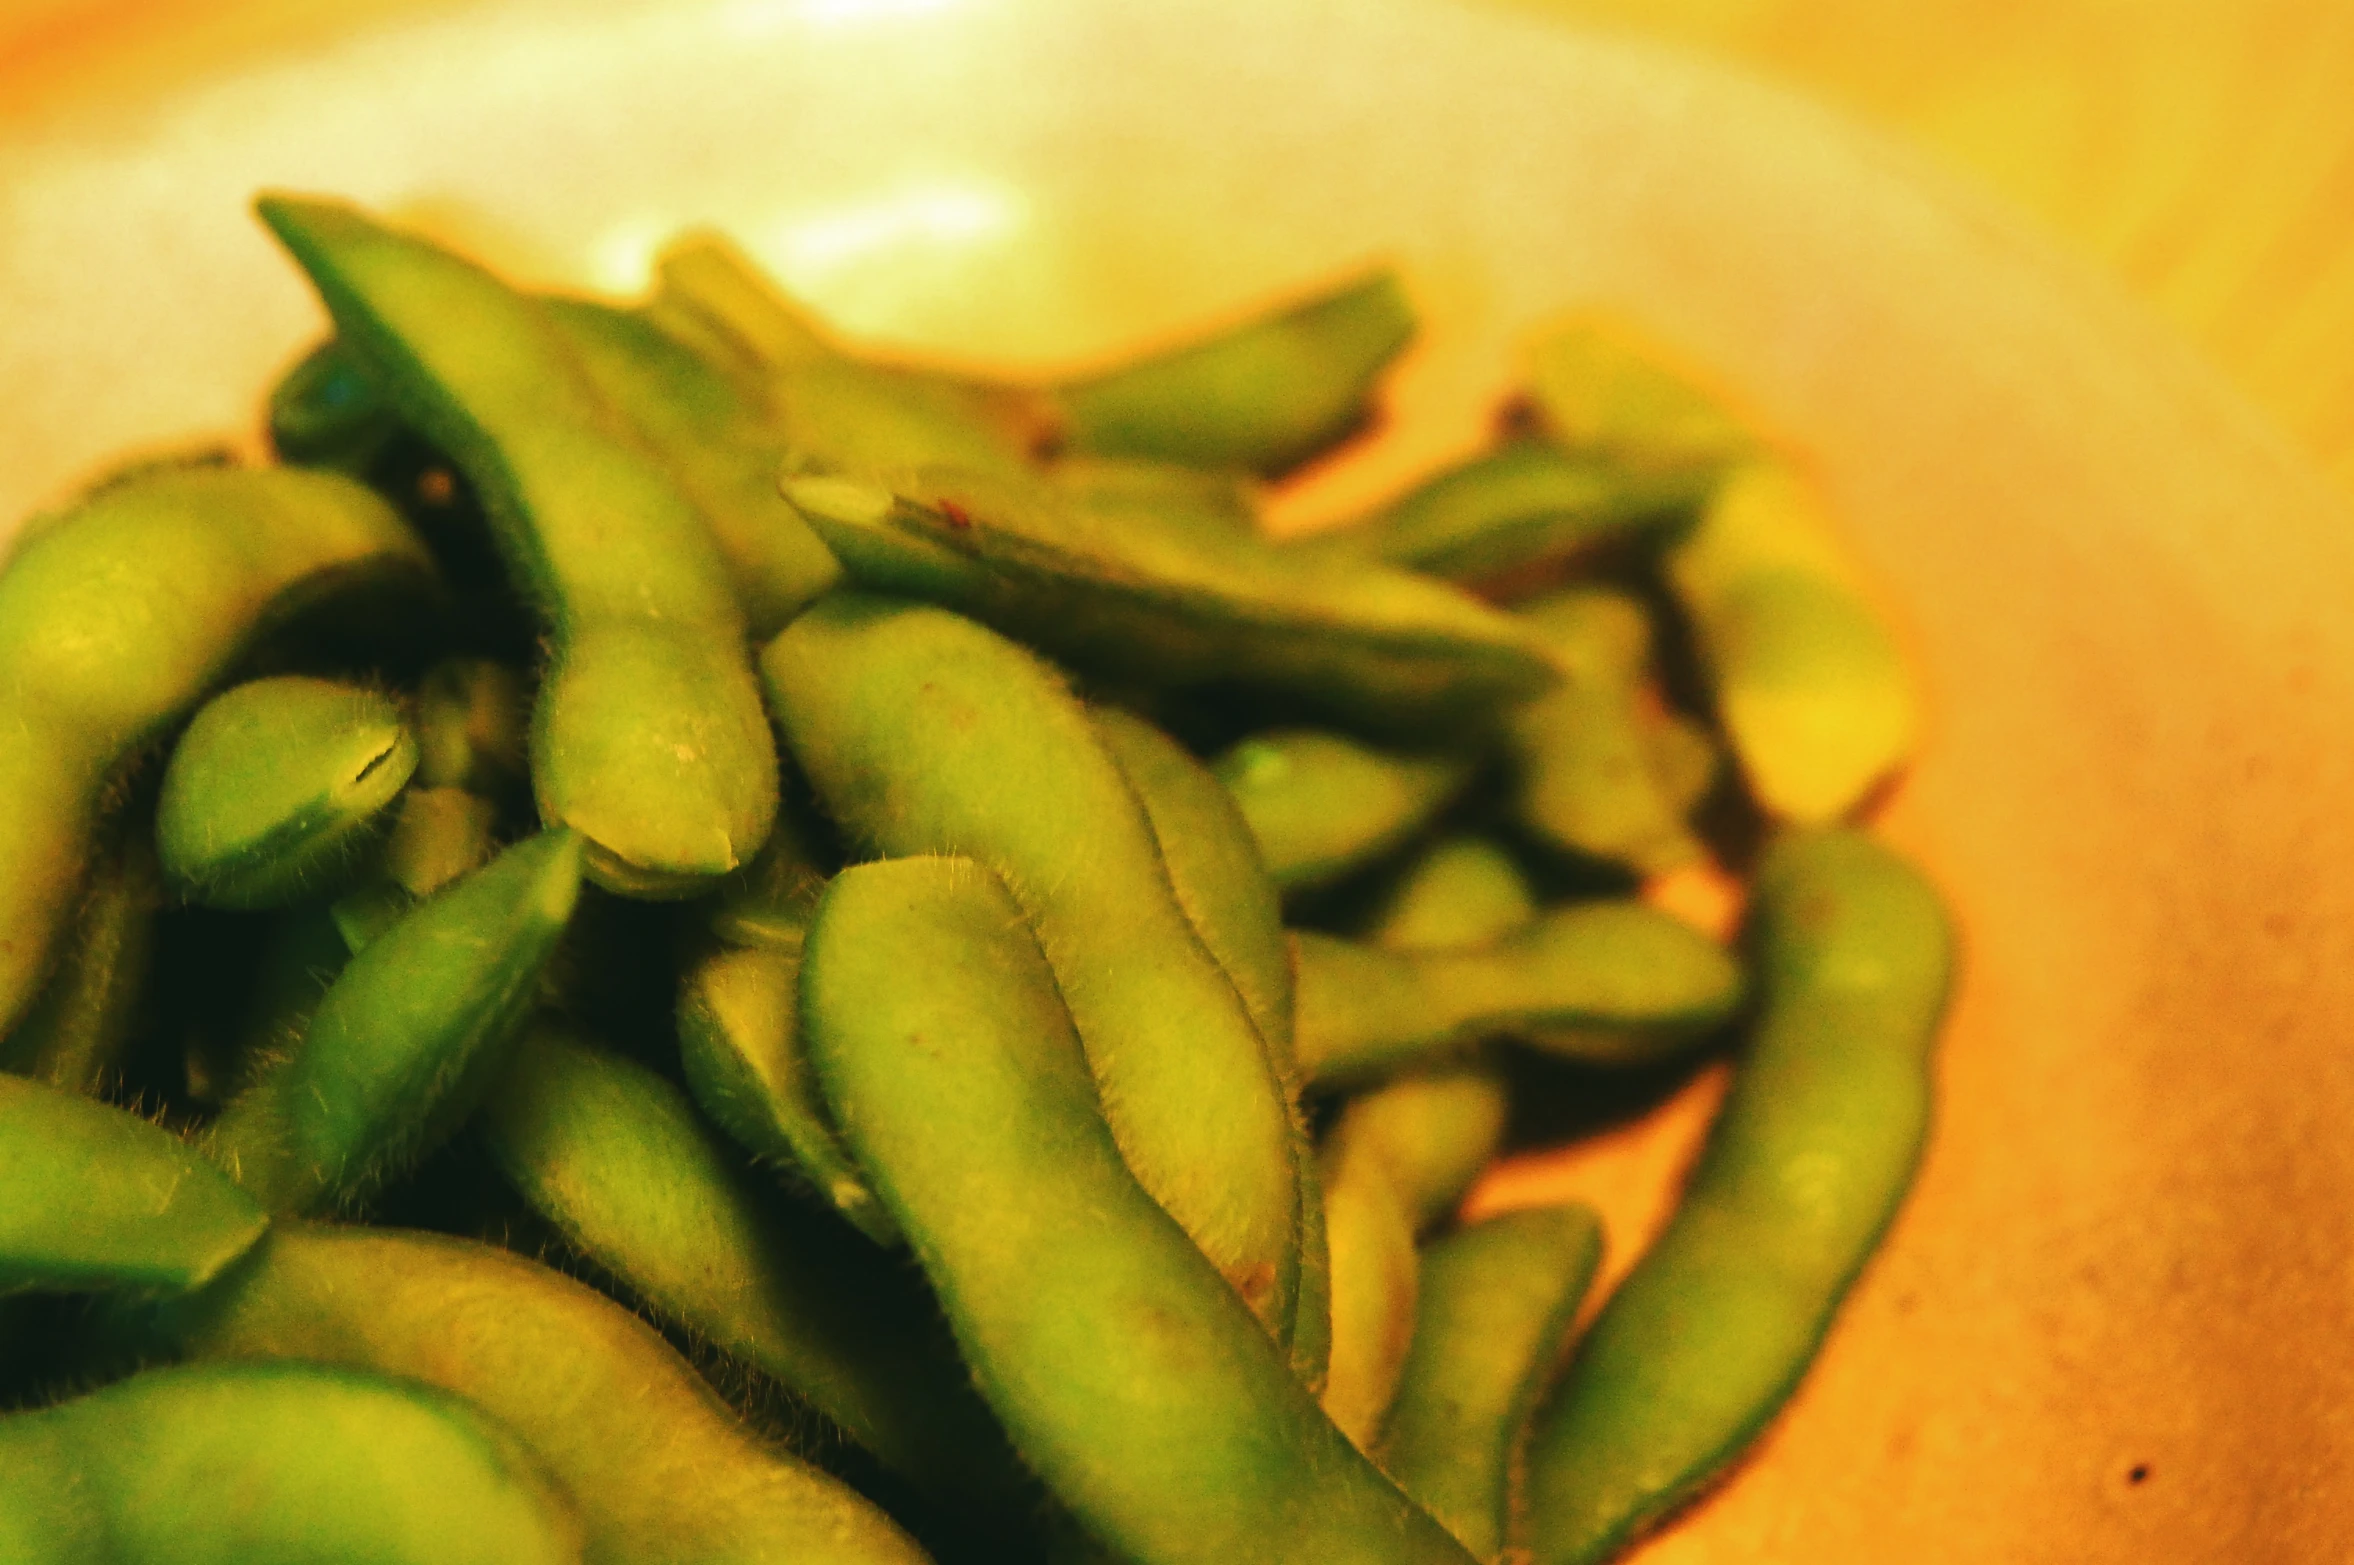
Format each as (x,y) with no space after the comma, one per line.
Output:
(1264,395)
(923,732)
(276,786)
(405,1037)
(1321,805)
(1130,1377)
(1588,752)
(1526,506)
(1369,1236)
(662,1471)
(1810,685)
(75,1036)
(319,1467)
(717,443)
(1610,982)
(1164,606)
(616,1159)
(746,1062)
(1497,1302)
(647,736)
(1461,891)
(1161,495)
(99,1199)
(1806,1165)
(122,613)
(1433,1132)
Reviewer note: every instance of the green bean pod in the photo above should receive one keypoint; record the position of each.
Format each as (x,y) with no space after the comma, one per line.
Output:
(273,1464)
(1611,982)
(1808,1161)
(117,617)
(1432,1133)
(1600,386)
(76,1034)
(745,1060)
(1124,1368)
(1160,495)
(662,1470)
(1497,1302)
(1461,891)
(1264,395)
(1590,780)
(647,738)
(1525,505)
(716,442)
(1810,684)
(922,732)
(402,1042)
(615,1158)
(702,276)
(1165,606)
(276,787)
(1322,805)
(97,1198)
(327,411)
(1370,1238)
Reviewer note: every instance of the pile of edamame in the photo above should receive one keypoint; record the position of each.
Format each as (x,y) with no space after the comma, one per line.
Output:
(669,942)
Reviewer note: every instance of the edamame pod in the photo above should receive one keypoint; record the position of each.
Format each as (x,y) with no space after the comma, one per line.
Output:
(1214,866)
(1370,1239)
(717,445)
(273,1464)
(276,787)
(1127,1373)
(661,1469)
(1497,1302)
(704,276)
(1321,804)
(1810,684)
(75,1035)
(1431,1132)
(1264,395)
(472,723)
(402,1041)
(1599,385)
(838,415)
(1808,1161)
(327,412)
(439,835)
(99,1198)
(648,738)
(1212,506)
(1374,645)
(1588,757)
(741,1049)
(923,732)
(615,1158)
(1462,891)
(1612,982)
(118,616)
(1528,504)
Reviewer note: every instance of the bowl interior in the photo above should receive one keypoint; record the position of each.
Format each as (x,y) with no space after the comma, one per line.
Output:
(2108,1324)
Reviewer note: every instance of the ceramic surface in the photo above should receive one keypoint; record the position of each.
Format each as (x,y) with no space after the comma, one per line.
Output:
(2111,1324)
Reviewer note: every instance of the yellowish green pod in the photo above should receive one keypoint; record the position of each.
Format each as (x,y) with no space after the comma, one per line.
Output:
(1322,804)
(1461,891)
(1601,386)
(76,1034)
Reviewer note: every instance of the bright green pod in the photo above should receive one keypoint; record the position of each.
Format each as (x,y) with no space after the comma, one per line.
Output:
(839,415)
(1609,982)
(1263,396)
(1587,752)
(647,737)
(1214,865)
(403,1040)
(1163,496)
(662,1471)
(1498,1299)
(923,732)
(76,1034)
(1433,1133)
(100,1199)
(273,1464)
(1806,1165)
(276,787)
(118,616)
(1322,805)
(472,721)
(1462,891)
(716,442)
(1369,1238)
(1524,506)
(1599,385)
(327,412)
(1165,606)
(615,1158)
(741,1050)
(1128,1374)
(1810,684)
